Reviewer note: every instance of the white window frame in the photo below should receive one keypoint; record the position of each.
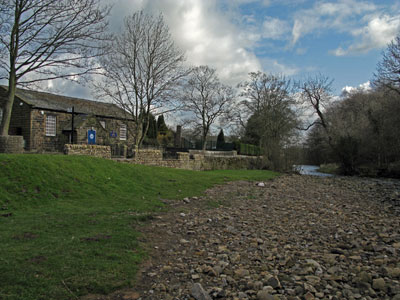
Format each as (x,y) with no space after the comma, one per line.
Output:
(51,125)
(122,132)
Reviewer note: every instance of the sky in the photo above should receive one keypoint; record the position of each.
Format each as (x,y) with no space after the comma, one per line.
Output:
(297,38)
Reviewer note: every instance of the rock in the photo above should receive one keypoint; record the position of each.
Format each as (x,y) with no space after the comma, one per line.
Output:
(261,184)
(393,272)
(309,296)
(199,293)
(304,238)
(264,295)
(313,263)
(241,273)
(273,282)
(258,285)
(379,284)
(364,277)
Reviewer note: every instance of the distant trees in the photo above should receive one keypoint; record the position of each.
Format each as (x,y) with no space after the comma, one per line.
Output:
(388,70)
(206,99)
(360,131)
(272,122)
(47,39)
(142,71)
(364,134)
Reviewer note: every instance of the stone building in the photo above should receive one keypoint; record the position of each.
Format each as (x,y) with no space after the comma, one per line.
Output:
(45,121)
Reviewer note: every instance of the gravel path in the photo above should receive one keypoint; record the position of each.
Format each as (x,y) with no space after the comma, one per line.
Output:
(295,237)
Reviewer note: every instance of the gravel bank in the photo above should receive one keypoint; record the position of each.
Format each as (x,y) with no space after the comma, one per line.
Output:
(296,237)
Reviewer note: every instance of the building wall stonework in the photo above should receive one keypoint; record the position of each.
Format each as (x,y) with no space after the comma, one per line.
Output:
(11,144)
(198,162)
(39,141)
(20,121)
(89,150)
(104,136)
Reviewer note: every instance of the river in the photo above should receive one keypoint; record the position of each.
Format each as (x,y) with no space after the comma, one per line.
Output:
(311,170)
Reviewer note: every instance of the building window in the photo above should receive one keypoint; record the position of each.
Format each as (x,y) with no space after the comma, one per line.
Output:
(51,125)
(103,124)
(122,132)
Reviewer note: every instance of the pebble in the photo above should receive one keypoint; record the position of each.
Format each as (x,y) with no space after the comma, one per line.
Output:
(299,237)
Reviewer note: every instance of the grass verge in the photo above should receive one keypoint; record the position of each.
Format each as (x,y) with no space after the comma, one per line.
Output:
(329,169)
(69,224)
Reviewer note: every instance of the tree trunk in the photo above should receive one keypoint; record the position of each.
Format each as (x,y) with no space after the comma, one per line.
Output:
(139,134)
(204,139)
(7,108)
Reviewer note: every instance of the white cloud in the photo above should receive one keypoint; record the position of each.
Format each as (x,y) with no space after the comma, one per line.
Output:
(205,33)
(274,28)
(379,31)
(275,67)
(341,16)
(363,87)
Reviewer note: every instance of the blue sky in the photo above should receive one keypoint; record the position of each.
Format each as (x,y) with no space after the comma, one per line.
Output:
(341,39)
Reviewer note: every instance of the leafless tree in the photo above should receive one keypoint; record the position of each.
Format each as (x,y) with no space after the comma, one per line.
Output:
(315,96)
(206,99)
(143,70)
(388,71)
(47,39)
(263,90)
(271,122)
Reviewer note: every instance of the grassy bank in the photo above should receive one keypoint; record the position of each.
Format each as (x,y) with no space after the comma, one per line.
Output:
(329,169)
(69,225)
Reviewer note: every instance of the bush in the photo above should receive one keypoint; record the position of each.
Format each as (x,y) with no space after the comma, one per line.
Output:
(247,149)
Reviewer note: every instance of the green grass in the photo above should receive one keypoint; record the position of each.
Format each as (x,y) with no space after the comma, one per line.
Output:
(329,168)
(69,225)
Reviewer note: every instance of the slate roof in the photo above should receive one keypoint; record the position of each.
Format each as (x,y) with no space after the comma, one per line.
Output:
(47,101)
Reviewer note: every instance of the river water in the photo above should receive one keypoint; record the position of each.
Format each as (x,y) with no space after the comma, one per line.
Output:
(311,170)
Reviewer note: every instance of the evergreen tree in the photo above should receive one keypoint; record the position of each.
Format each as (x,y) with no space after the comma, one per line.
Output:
(152,131)
(161,126)
(220,140)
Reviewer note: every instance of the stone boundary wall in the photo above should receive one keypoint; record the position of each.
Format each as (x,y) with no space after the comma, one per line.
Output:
(90,150)
(148,156)
(11,144)
(214,153)
(198,162)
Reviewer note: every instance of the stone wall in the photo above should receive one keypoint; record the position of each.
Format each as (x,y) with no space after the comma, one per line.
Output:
(20,118)
(147,156)
(213,153)
(11,144)
(42,143)
(39,141)
(90,150)
(194,161)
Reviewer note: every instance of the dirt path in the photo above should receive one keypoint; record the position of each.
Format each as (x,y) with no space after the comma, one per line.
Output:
(296,237)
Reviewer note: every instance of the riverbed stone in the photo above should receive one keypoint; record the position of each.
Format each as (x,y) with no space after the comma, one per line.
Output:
(298,237)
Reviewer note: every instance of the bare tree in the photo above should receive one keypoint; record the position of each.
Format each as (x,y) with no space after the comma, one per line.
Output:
(143,70)
(47,39)
(263,90)
(388,71)
(206,98)
(315,96)
(272,118)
